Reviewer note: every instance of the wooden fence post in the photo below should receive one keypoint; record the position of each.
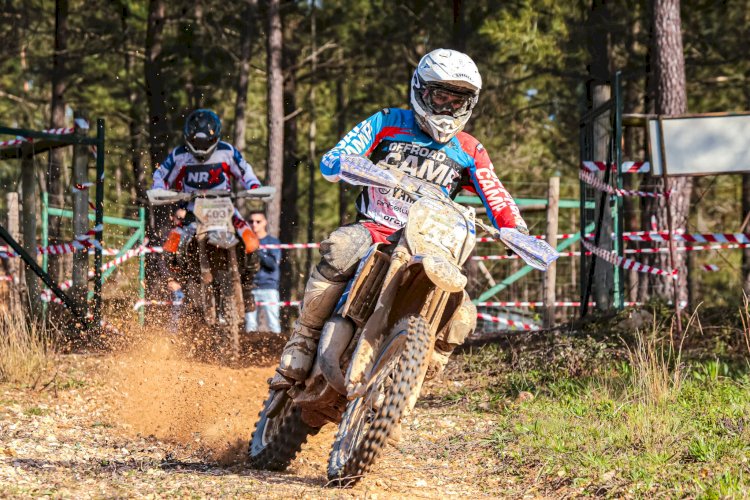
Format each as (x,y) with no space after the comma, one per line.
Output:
(81,154)
(28,201)
(553,205)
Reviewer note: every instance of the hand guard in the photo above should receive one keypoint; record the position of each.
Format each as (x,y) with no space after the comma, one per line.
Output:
(522,230)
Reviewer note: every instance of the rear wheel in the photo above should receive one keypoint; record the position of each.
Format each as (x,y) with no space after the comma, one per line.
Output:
(368,420)
(279,433)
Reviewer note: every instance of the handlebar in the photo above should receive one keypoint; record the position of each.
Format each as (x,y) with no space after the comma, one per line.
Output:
(167,196)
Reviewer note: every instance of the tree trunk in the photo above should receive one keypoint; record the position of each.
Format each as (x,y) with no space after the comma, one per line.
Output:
(157,104)
(275,90)
(312,147)
(344,202)
(746,204)
(459,25)
(633,140)
(671,99)
(158,133)
(243,74)
(289,213)
(599,71)
(134,115)
(57,120)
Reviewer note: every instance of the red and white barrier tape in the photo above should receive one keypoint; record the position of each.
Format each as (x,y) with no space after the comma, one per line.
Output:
(6,278)
(81,242)
(541,304)
(628,167)
(711,268)
(627,263)
(143,303)
(289,246)
(594,182)
(78,188)
(688,238)
(509,322)
(21,140)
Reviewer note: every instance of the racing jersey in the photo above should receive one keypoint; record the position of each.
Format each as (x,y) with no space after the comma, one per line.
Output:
(393,137)
(181,171)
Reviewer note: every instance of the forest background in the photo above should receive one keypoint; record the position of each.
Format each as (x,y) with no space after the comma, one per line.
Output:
(289,78)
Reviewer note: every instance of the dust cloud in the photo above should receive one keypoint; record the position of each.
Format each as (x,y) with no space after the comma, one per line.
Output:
(164,390)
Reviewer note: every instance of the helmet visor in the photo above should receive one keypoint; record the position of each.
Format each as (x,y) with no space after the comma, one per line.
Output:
(445,101)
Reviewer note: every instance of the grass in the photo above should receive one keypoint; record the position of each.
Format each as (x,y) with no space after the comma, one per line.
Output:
(649,420)
(26,351)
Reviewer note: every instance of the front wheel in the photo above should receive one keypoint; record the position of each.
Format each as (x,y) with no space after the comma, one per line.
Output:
(368,420)
(279,433)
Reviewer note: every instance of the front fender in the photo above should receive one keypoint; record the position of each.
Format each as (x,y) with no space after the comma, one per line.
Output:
(441,272)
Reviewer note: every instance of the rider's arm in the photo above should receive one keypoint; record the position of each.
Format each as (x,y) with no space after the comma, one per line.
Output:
(163,171)
(501,209)
(241,170)
(361,140)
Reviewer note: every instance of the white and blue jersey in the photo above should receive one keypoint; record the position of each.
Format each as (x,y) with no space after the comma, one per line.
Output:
(393,137)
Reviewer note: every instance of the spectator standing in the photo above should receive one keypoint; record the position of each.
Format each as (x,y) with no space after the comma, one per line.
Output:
(266,281)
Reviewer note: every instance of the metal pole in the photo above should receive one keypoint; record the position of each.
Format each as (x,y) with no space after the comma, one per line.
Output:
(99,219)
(617,209)
(142,266)
(670,227)
(45,228)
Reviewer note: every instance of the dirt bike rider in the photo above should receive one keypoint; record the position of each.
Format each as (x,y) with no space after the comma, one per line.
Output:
(426,141)
(204,162)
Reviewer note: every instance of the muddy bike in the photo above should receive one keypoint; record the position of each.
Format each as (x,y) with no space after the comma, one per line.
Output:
(211,259)
(373,352)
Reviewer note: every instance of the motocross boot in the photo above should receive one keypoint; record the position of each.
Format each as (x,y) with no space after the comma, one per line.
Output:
(321,296)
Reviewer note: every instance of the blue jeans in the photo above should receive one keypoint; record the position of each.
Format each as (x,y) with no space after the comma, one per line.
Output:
(271,312)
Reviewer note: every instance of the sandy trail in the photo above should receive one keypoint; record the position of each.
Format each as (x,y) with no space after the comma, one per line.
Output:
(150,420)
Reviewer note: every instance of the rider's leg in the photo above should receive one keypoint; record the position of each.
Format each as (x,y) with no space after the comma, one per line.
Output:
(340,254)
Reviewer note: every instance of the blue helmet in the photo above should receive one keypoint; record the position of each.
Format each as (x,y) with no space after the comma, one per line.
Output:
(202,133)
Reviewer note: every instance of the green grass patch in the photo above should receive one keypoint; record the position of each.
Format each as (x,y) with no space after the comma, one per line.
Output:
(35,411)
(641,426)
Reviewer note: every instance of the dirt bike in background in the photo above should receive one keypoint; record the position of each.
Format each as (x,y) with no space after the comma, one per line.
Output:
(210,259)
(373,352)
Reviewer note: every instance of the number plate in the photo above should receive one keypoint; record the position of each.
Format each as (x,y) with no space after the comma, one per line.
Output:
(213,214)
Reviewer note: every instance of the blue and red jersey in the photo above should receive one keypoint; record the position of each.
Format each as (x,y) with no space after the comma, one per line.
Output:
(393,137)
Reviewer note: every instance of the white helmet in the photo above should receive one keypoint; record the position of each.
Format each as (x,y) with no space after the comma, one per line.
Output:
(444,90)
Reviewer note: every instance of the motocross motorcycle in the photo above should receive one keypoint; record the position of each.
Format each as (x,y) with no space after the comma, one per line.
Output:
(209,256)
(374,350)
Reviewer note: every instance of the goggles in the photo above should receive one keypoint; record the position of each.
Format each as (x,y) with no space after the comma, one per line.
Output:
(444,101)
(203,143)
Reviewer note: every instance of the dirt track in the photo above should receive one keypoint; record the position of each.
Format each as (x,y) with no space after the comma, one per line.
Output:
(150,423)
